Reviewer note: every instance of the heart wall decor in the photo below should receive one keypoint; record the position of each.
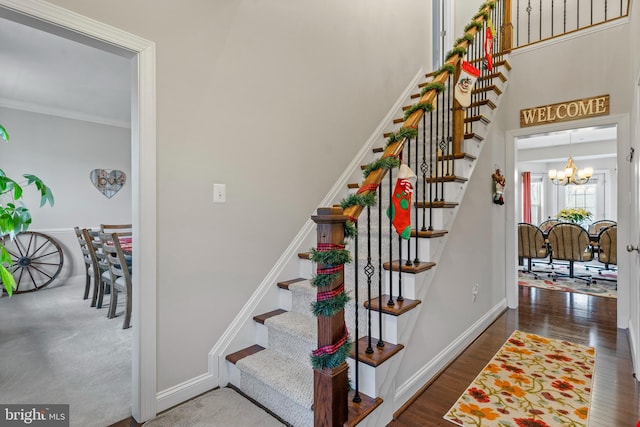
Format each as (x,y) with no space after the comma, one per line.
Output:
(108,181)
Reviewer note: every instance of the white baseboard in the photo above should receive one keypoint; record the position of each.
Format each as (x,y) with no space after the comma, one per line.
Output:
(423,375)
(182,392)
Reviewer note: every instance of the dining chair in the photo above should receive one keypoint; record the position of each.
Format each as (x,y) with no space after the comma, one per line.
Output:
(103,266)
(546,225)
(596,227)
(531,245)
(570,242)
(120,274)
(89,266)
(116,228)
(608,250)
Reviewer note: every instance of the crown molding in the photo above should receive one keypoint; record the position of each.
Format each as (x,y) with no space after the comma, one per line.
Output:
(59,112)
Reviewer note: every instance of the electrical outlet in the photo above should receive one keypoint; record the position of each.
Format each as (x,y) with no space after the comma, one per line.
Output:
(474,292)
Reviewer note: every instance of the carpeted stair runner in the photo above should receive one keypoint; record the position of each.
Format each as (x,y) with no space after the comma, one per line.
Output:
(281,377)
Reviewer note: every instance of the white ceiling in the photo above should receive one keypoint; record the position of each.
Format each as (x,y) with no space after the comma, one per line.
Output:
(47,73)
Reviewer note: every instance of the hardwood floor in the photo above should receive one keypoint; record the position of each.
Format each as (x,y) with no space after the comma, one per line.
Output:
(588,320)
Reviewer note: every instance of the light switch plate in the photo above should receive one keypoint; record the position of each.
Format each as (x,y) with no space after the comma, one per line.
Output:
(219,193)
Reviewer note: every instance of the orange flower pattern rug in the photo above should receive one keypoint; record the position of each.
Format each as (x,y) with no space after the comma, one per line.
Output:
(531,382)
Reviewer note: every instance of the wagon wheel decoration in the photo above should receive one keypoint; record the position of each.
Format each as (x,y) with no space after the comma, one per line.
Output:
(37,260)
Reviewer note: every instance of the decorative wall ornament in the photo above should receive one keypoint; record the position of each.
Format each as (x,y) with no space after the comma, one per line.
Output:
(108,181)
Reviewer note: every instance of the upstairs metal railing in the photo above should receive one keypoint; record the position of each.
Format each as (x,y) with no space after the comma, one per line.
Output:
(540,20)
(429,142)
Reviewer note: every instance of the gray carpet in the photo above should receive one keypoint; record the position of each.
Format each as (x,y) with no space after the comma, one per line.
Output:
(223,407)
(54,348)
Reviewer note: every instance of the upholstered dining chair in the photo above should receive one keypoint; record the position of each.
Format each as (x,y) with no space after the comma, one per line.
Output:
(116,228)
(120,274)
(531,245)
(596,227)
(546,225)
(608,249)
(570,242)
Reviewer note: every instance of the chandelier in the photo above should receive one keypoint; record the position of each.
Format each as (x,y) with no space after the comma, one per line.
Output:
(570,174)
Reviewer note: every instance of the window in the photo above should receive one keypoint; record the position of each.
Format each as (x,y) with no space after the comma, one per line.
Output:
(536,199)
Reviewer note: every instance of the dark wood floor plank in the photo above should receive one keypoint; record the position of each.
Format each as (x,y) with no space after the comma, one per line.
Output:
(588,320)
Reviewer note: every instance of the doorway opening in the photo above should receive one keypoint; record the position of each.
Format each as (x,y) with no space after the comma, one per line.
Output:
(141,53)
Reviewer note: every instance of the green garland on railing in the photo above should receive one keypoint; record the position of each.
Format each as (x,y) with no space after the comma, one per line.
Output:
(482,13)
(427,107)
(458,50)
(467,37)
(382,163)
(476,24)
(320,280)
(350,230)
(330,307)
(333,257)
(449,68)
(437,86)
(403,133)
(364,200)
(491,4)
(332,360)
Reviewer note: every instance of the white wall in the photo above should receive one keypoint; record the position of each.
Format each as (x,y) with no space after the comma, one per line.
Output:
(273,99)
(62,152)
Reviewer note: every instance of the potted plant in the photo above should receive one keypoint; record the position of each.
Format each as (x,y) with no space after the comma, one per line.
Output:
(574,215)
(14,216)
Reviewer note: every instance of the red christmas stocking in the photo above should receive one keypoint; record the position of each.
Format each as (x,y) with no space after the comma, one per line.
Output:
(468,76)
(488,48)
(400,210)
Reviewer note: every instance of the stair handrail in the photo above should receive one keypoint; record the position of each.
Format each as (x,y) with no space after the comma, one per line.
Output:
(330,379)
(393,149)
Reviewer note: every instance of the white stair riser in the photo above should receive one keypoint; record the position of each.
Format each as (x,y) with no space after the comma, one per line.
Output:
(440,219)
(370,379)
(307,268)
(409,288)
(262,335)
(284,299)
(234,373)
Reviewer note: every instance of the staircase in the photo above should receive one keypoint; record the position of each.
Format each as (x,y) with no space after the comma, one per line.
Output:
(276,370)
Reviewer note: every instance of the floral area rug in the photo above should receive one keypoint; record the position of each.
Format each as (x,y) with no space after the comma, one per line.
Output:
(599,286)
(531,382)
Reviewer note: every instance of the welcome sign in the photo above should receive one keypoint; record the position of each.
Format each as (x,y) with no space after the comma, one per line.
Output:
(565,111)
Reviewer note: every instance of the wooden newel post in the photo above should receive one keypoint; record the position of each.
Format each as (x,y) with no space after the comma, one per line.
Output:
(331,386)
(506,32)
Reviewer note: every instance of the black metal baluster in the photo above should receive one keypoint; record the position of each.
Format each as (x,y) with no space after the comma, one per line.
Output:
(400,297)
(451,157)
(432,176)
(380,343)
(369,271)
(529,9)
(552,15)
(390,301)
(430,171)
(416,190)
(442,148)
(356,396)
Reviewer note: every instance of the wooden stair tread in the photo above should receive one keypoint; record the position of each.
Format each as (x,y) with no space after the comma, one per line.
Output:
(443,204)
(412,269)
(398,121)
(304,255)
(473,135)
(488,89)
(494,75)
(235,357)
(447,178)
(260,318)
(359,411)
(378,150)
(428,234)
(285,284)
(489,103)
(379,355)
(479,118)
(398,308)
(457,156)
(353,185)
